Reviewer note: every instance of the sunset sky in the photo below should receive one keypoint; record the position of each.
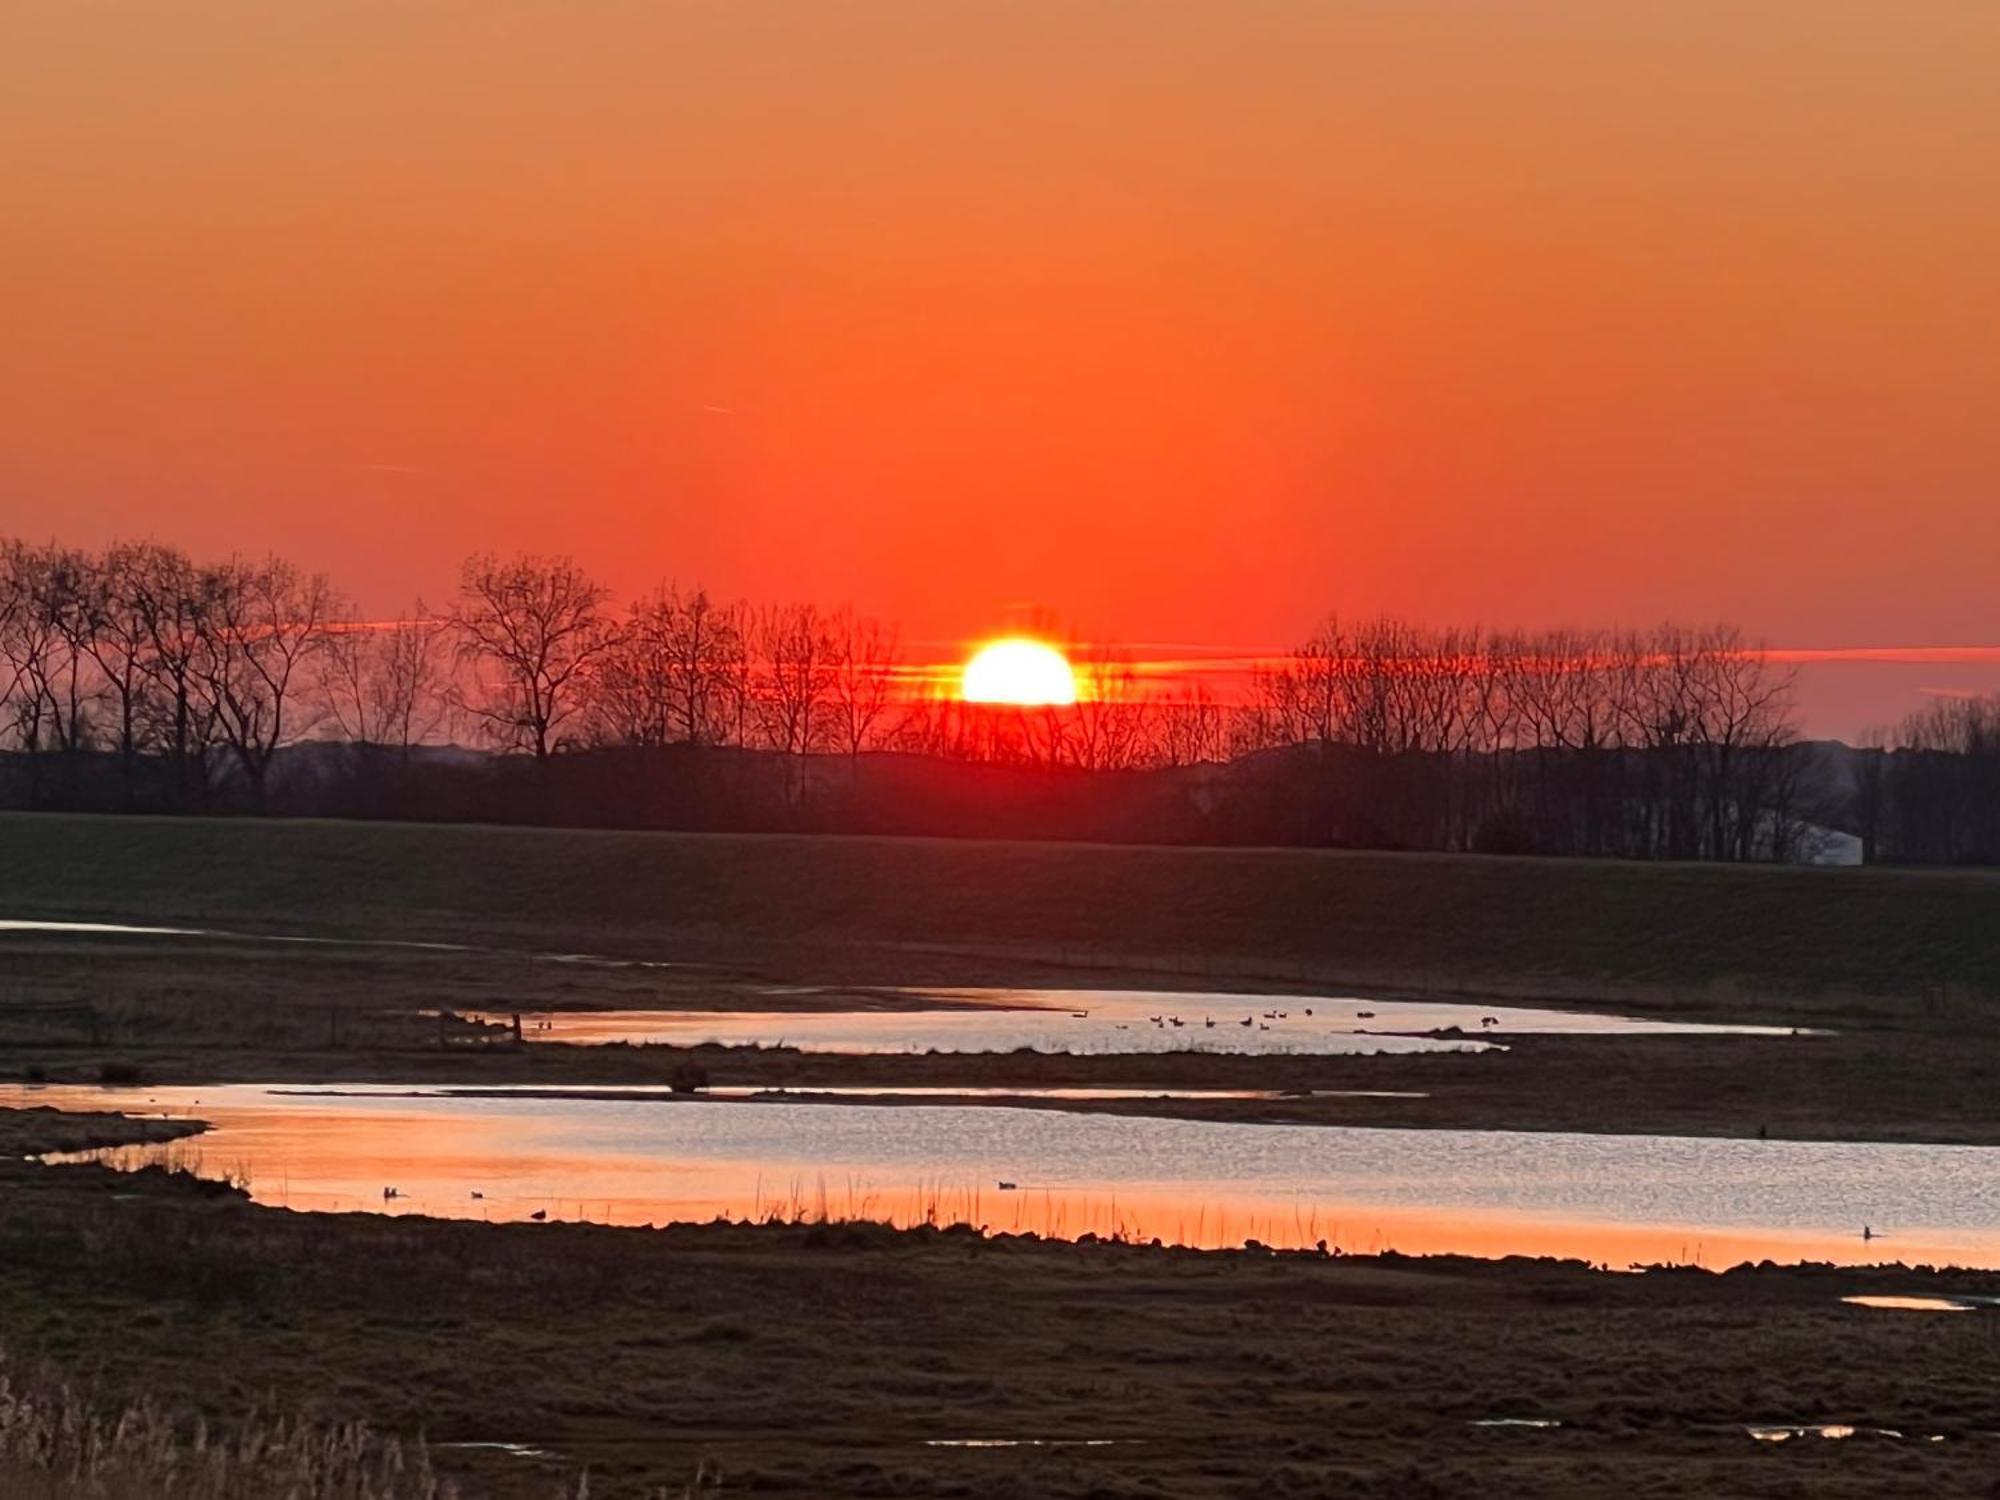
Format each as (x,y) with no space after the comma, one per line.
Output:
(1177,322)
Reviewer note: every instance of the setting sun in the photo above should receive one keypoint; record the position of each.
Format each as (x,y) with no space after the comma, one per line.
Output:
(1018,671)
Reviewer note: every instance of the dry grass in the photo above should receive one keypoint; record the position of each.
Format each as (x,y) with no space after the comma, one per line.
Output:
(55,1445)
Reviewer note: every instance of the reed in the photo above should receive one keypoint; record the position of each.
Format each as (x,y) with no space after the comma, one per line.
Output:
(55,1443)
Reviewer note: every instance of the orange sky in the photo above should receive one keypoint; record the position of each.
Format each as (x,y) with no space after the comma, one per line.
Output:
(1179,321)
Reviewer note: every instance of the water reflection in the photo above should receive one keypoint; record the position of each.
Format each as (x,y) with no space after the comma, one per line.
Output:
(1924,1304)
(1833,1431)
(1094,1022)
(884,1091)
(1619,1200)
(221,935)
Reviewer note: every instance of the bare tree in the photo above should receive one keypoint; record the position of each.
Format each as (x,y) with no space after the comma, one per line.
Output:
(168,598)
(1192,728)
(261,625)
(795,677)
(44,630)
(865,660)
(631,692)
(532,629)
(1107,729)
(707,664)
(1742,717)
(386,682)
(119,643)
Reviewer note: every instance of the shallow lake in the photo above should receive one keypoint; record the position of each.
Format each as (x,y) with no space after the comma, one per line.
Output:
(1093,1022)
(633,1160)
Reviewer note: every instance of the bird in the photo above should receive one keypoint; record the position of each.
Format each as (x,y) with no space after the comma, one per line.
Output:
(539,1215)
(477,1194)
(388,1193)
(1006,1186)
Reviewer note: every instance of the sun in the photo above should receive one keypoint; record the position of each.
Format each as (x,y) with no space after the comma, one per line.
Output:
(1018,671)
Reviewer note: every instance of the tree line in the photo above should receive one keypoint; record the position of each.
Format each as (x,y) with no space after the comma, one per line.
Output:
(1929,792)
(212,668)
(1671,743)
(138,676)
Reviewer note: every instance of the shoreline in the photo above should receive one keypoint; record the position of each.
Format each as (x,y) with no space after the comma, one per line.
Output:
(1909,1087)
(32,1138)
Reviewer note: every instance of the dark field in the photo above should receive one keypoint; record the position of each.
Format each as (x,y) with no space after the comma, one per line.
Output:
(1695,937)
(178,1010)
(821,1361)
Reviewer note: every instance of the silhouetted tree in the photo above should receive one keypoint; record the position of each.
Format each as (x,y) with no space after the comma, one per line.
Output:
(865,659)
(531,629)
(259,627)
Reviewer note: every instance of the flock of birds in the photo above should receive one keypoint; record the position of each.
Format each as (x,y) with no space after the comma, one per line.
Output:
(390,1195)
(1159,1023)
(1263,1023)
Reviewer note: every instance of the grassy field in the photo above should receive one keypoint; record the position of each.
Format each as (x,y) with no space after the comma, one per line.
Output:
(1697,936)
(1905,1064)
(823,1361)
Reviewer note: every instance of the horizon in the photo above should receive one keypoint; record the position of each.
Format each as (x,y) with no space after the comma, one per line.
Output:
(1844,693)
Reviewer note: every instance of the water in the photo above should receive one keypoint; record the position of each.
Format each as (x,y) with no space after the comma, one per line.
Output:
(1830,1431)
(1923,1304)
(1084,1022)
(213,934)
(1618,1200)
(1073,1021)
(841,1091)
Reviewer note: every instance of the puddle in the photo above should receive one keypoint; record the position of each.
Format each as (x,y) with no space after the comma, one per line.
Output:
(802,1092)
(1535,1422)
(212,934)
(626,1157)
(955,1027)
(517,1450)
(102,928)
(1087,1022)
(1833,1431)
(1924,1304)
(1031,1442)
(1193,1009)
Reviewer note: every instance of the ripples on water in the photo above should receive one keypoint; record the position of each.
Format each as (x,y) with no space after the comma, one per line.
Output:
(1607,1198)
